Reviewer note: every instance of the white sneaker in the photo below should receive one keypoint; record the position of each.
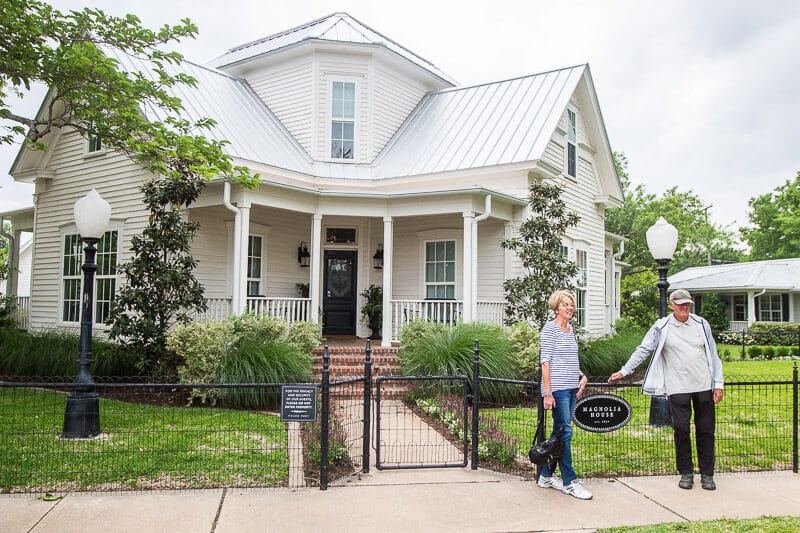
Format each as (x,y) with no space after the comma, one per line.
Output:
(576,489)
(551,482)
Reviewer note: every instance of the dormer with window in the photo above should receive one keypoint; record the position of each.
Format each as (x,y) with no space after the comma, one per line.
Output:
(343,120)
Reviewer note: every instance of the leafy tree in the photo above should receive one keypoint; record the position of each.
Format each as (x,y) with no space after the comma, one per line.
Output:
(775,219)
(74,55)
(698,239)
(713,310)
(539,248)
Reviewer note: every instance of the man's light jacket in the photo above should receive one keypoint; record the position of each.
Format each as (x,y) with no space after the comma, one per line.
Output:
(654,383)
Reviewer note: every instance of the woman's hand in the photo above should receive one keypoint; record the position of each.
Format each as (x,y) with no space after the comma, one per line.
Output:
(549,402)
(582,386)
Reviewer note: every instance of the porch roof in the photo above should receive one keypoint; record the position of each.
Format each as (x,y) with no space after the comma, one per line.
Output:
(775,274)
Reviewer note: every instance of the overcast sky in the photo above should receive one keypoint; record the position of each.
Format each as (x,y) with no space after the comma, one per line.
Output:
(702,95)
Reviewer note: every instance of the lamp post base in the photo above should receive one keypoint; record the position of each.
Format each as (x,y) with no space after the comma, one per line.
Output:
(82,417)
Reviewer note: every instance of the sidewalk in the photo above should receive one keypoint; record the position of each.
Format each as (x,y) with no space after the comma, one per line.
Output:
(456,499)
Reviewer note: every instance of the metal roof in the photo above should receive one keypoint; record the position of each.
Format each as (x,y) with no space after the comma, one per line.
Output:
(481,126)
(775,274)
(339,27)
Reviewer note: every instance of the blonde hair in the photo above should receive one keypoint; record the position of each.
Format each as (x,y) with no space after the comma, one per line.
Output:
(559,296)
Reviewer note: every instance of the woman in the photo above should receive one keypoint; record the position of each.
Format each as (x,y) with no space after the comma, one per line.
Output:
(562,384)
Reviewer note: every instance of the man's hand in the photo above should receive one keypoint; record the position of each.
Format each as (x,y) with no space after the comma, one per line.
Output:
(717,395)
(616,376)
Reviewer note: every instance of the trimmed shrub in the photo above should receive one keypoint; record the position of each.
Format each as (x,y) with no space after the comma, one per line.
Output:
(775,333)
(524,343)
(754,352)
(782,351)
(768,352)
(244,349)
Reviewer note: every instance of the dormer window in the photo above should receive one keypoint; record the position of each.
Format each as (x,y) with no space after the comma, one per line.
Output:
(572,144)
(343,119)
(94,144)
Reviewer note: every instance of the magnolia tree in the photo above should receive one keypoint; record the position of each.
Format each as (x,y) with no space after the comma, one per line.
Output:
(91,93)
(539,249)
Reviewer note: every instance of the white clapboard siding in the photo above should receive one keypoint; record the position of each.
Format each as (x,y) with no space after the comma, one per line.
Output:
(288,90)
(395,97)
(115,177)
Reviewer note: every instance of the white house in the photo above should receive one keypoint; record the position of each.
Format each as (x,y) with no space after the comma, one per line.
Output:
(377,168)
(766,291)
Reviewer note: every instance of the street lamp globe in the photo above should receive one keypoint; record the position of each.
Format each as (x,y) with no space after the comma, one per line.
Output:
(662,238)
(92,214)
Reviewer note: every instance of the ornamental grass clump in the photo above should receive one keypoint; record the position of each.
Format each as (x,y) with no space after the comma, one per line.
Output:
(431,349)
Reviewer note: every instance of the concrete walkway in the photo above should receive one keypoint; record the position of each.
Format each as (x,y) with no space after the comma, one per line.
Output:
(422,500)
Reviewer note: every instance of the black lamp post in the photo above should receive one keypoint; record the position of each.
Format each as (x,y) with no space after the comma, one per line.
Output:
(662,238)
(82,416)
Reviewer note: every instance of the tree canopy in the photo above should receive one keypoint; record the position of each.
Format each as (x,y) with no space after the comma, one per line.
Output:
(91,93)
(698,239)
(774,232)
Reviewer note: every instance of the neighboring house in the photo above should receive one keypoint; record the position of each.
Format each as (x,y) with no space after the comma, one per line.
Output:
(764,291)
(376,169)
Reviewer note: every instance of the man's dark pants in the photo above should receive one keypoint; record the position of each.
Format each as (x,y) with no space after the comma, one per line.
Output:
(681,406)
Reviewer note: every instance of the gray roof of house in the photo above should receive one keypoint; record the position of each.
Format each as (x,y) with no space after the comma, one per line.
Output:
(775,274)
(462,128)
(339,27)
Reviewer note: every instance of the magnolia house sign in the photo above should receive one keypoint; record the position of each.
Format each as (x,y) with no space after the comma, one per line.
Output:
(601,413)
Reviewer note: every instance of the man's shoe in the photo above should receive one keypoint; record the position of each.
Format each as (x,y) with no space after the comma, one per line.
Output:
(687,481)
(707,482)
(551,482)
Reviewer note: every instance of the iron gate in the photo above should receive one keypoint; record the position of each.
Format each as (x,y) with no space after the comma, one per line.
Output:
(408,438)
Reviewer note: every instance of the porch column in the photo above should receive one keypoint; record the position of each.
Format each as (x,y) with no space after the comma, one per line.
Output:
(316,269)
(751,307)
(388,254)
(468,297)
(244,240)
(12,282)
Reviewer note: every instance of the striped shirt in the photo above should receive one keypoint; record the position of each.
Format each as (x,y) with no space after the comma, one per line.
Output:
(560,349)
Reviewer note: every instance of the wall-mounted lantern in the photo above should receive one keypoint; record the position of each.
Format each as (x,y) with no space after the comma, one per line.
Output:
(377,259)
(303,255)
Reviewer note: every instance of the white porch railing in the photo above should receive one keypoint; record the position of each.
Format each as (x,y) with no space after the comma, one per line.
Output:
(445,311)
(21,312)
(737,326)
(289,309)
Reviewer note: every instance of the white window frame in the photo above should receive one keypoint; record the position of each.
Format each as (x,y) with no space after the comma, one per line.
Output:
(428,236)
(770,309)
(582,287)
(571,138)
(342,119)
(250,258)
(100,278)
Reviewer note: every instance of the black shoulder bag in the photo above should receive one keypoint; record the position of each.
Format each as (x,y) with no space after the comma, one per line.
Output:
(548,451)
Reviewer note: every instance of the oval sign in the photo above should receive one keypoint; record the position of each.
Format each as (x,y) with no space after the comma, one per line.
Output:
(601,413)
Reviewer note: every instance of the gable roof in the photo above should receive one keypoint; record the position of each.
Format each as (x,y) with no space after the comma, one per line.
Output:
(775,274)
(481,126)
(338,27)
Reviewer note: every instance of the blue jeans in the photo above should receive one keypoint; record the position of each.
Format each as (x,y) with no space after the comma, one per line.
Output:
(562,418)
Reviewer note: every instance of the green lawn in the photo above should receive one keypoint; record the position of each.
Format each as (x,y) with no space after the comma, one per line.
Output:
(764,524)
(141,447)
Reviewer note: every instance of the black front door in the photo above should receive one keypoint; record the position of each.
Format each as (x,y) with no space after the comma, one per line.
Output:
(339,293)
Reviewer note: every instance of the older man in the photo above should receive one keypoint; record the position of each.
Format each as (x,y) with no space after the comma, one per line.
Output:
(686,367)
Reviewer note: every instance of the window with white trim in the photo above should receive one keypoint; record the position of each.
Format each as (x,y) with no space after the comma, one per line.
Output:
(105,281)
(94,144)
(770,308)
(440,270)
(254,264)
(581,285)
(572,144)
(343,119)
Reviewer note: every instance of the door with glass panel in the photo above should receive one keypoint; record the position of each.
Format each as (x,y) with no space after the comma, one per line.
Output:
(339,293)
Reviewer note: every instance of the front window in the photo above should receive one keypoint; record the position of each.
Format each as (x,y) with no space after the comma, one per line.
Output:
(254,265)
(770,308)
(440,270)
(581,285)
(105,281)
(343,120)
(572,144)
(739,307)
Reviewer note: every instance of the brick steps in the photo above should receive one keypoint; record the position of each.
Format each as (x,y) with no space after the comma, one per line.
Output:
(348,363)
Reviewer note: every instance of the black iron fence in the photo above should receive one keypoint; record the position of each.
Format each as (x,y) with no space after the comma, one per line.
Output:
(151,439)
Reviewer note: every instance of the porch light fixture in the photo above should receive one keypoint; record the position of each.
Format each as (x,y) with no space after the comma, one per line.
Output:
(82,415)
(662,238)
(377,259)
(303,255)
